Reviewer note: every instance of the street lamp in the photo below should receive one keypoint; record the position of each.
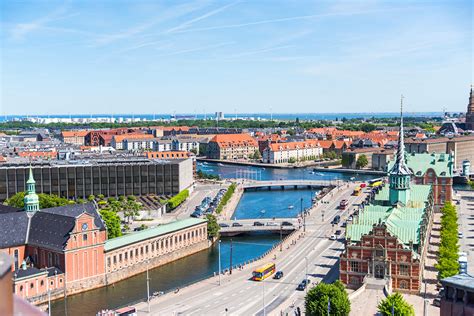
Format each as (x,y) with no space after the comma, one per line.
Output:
(147,287)
(219,247)
(306,278)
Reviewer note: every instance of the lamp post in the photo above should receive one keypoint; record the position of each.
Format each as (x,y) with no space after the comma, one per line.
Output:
(306,278)
(281,236)
(219,247)
(147,287)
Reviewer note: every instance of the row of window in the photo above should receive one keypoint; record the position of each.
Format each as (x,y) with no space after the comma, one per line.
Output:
(403,269)
(165,245)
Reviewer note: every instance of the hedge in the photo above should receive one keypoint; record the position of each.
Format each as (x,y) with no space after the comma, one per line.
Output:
(226,198)
(179,198)
(448,257)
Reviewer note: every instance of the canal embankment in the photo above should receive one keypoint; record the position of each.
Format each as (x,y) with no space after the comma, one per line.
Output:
(317,166)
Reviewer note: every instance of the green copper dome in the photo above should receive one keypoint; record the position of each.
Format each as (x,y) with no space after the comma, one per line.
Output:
(31,198)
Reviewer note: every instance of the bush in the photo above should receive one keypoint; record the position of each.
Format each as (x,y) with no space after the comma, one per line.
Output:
(226,198)
(292,160)
(131,197)
(45,200)
(91,197)
(398,304)
(100,196)
(111,199)
(179,198)
(102,203)
(316,301)
(448,257)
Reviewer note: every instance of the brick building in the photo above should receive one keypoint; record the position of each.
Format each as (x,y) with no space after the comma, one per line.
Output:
(231,146)
(387,240)
(74,137)
(64,250)
(435,170)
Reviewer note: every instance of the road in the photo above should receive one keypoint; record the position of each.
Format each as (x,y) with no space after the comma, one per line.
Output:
(238,295)
(466,226)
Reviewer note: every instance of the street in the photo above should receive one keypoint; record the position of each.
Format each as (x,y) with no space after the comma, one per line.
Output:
(466,226)
(238,295)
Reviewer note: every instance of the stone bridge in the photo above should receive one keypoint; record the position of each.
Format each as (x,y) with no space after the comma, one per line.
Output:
(294,184)
(279,226)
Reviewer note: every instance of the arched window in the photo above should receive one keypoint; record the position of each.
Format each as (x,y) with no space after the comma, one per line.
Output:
(404,284)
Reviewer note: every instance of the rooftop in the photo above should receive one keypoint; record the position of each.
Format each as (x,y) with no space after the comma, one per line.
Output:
(151,233)
(419,164)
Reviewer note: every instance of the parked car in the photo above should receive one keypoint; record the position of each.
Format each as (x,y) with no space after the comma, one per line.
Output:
(333,237)
(460,235)
(344,224)
(278,275)
(303,284)
(338,232)
(286,224)
(223,225)
(350,219)
(258,224)
(272,224)
(236,225)
(336,219)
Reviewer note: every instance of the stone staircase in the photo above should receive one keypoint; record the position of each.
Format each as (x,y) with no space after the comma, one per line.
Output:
(375,284)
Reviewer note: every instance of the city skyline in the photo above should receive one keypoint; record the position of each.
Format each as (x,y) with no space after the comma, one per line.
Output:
(235,56)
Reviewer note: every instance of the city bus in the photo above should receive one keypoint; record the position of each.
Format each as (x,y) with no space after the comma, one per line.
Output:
(356,191)
(375,182)
(263,272)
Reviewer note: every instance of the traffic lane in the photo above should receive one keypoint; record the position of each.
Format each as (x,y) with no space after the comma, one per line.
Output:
(184,305)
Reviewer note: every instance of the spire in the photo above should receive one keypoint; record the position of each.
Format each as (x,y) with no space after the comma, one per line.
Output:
(470,106)
(400,167)
(31,198)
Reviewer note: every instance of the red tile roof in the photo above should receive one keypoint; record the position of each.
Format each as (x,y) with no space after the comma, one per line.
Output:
(234,140)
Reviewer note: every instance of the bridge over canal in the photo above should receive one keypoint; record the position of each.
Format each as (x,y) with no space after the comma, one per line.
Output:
(279,225)
(293,184)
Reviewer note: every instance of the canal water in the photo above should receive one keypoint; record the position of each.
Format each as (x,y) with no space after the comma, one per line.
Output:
(205,263)
(168,277)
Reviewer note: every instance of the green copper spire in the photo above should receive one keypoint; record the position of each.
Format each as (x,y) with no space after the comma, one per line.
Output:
(31,198)
(400,174)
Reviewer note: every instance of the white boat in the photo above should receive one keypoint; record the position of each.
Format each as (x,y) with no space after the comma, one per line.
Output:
(311,172)
(220,164)
(352,178)
(319,174)
(291,207)
(262,211)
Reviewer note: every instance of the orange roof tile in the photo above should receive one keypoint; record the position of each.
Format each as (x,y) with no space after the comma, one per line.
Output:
(234,140)
(80,133)
(120,138)
(294,145)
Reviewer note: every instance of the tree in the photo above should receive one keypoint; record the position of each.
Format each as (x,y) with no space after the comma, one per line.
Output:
(256,155)
(45,200)
(292,160)
(212,226)
(398,304)
(194,151)
(316,301)
(112,221)
(91,197)
(448,257)
(362,162)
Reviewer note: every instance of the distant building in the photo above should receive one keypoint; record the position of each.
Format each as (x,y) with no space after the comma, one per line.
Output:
(460,146)
(118,140)
(75,137)
(219,115)
(435,170)
(277,153)
(114,177)
(231,146)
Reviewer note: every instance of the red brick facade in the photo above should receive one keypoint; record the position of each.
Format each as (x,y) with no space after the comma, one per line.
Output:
(380,255)
(442,186)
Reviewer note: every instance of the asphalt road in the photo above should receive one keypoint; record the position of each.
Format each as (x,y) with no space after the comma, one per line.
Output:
(238,295)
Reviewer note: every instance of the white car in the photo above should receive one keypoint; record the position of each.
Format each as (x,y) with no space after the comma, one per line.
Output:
(460,235)
(333,237)
(272,224)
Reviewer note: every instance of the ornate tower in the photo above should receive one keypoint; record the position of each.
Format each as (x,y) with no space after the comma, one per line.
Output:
(400,175)
(31,198)
(470,111)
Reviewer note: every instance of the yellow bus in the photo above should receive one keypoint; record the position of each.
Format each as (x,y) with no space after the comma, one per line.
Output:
(263,272)
(375,182)
(356,191)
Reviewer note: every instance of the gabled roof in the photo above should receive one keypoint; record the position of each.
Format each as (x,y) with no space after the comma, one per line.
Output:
(234,140)
(50,230)
(294,145)
(14,228)
(79,133)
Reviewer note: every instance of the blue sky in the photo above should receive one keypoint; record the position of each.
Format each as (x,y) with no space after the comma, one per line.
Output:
(246,56)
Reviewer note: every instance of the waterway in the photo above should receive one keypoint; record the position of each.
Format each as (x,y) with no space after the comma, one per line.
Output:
(168,277)
(205,263)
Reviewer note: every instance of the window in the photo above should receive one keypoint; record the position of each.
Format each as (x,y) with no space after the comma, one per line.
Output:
(146,249)
(115,259)
(404,284)
(21,288)
(404,269)
(355,266)
(42,283)
(141,250)
(84,237)
(126,256)
(120,257)
(136,252)
(108,262)
(379,252)
(31,285)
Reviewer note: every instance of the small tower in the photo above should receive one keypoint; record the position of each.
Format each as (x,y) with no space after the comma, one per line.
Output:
(400,174)
(31,198)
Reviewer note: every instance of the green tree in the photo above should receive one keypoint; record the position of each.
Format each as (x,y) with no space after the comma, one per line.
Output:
(194,151)
(91,197)
(316,301)
(212,226)
(362,161)
(179,198)
(112,221)
(292,160)
(228,194)
(256,155)
(448,257)
(398,304)
(45,200)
